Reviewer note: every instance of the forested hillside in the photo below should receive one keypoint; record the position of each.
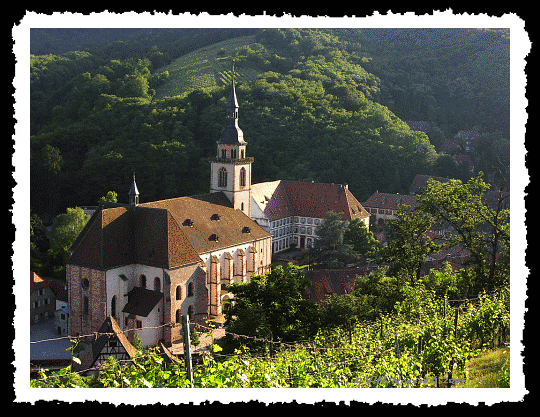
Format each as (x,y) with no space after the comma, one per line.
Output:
(322,105)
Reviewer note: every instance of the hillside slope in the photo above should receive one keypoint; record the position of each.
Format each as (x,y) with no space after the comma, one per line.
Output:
(207,67)
(315,105)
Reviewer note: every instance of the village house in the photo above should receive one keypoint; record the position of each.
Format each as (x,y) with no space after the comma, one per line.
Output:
(292,210)
(48,300)
(383,206)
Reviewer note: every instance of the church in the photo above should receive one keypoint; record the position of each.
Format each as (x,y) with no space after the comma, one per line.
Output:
(148,264)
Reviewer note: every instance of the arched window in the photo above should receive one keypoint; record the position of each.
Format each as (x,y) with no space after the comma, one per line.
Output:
(243,177)
(143,281)
(178,292)
(113,306)
(190,313)
(157,284)
(190,289)
(178,316)
(222,179)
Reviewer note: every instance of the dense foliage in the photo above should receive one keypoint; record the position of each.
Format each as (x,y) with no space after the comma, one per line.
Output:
(327,105)
(321,95)
(425,344)
(395,329)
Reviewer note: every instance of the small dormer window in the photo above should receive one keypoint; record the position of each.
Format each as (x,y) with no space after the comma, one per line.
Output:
(214,238)
(188,222)
(246,229)
(215,216)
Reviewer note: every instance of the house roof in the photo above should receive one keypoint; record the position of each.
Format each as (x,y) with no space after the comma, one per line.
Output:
(158,233)
(272,199)
(285,198)
(36,282)
(141,301)
(109,329)
(211,214)
(390,201)
(58,288)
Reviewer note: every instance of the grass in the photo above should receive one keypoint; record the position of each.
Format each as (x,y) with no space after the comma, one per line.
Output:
(491,369)
(207,67)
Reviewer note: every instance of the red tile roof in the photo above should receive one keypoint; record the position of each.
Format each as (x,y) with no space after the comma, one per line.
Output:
(280,199)
(272,199)
(158,233)
(312,199)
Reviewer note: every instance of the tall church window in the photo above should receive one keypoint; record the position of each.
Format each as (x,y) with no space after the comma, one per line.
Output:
(224,153)
(86,308)
(178,292)
(243,177)
(113,306)
(222,179)
(143,281)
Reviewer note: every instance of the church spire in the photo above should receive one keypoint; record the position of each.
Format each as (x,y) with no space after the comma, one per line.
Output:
(231,169)
(232,134)
(133,193)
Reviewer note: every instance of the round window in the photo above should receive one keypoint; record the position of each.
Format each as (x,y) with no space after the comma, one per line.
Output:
(85,283)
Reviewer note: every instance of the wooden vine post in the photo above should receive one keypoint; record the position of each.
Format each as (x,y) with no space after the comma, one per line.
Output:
(187,348)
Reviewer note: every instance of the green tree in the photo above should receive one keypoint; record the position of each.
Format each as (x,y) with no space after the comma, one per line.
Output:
(360,237)
(270,307)
(65,229)
(484,230)
(409,244)
(377,293)
(111,196)
(341,311)
(39,244)
(46,179)
(330,246)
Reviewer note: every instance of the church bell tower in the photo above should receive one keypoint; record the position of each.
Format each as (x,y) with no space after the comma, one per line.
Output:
(231,168)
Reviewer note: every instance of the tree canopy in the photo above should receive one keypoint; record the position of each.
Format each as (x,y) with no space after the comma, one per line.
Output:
(320,95)
(271,307)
